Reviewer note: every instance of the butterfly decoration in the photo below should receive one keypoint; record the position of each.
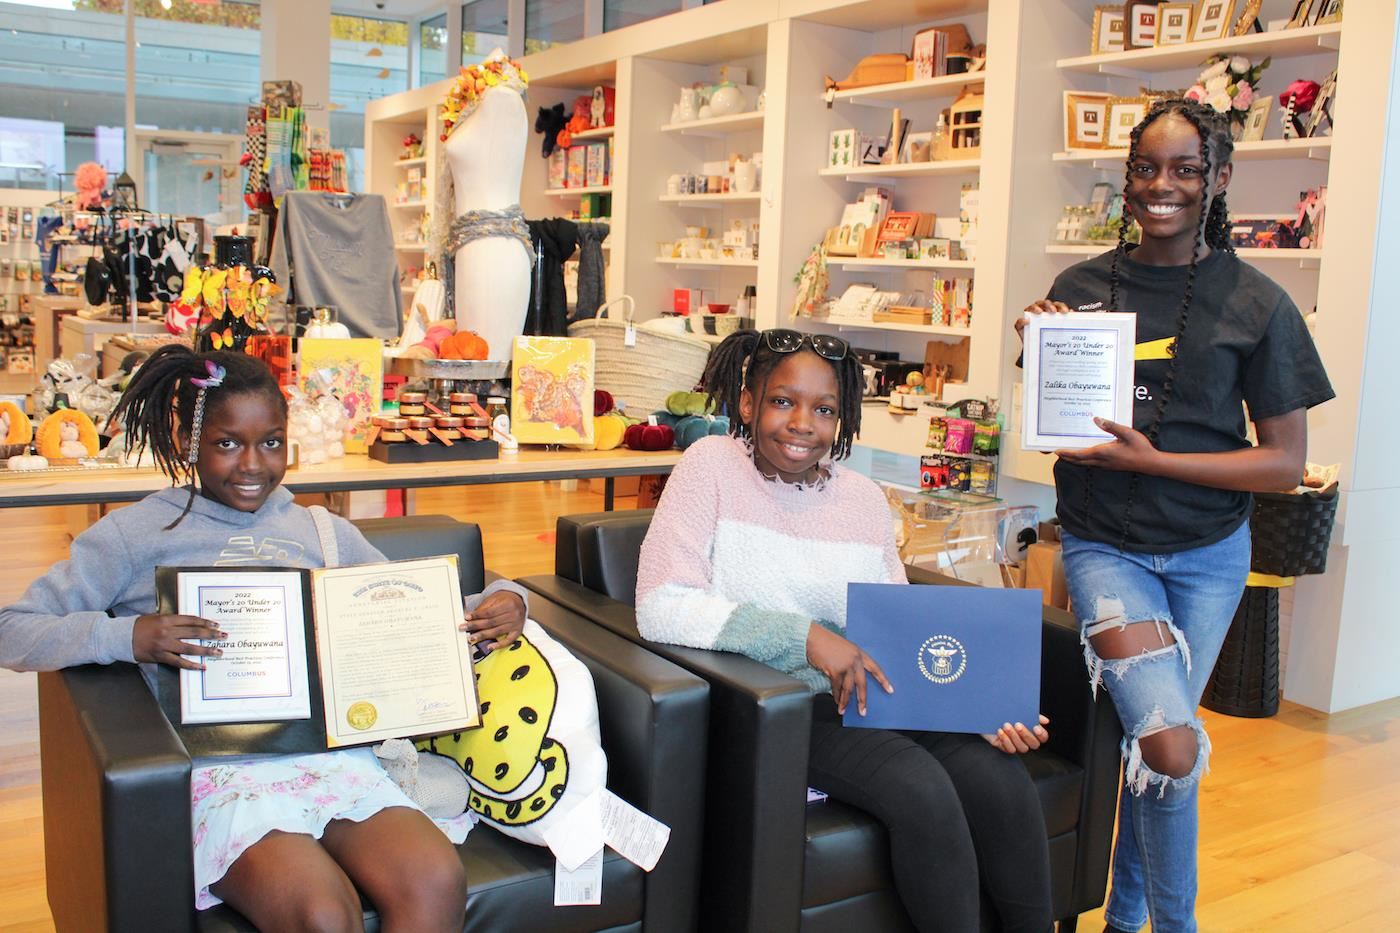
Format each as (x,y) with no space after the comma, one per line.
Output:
(221,340)
(213,292)
(263,290)
(194,285)
(240,286)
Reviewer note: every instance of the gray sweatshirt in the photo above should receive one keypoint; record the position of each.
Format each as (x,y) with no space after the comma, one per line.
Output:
(63,617)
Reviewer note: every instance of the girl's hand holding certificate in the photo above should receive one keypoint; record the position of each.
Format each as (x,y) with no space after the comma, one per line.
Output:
(497,622)
(1129,450)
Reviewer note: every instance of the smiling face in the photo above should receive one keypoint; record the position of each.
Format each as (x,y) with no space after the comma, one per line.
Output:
(1166,183)
(792,416)
(242,449)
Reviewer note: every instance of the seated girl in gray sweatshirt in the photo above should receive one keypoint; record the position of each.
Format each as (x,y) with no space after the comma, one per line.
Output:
(286,840)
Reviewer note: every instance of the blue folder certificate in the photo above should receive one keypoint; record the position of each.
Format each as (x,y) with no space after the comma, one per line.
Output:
(960,658)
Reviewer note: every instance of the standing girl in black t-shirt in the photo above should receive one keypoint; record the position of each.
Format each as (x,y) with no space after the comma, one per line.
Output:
(1155,530)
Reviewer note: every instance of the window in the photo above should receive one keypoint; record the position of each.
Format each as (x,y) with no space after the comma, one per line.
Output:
(197,66)
(432,50)
(369,59)
(620,13)
(483,29)
(551,22)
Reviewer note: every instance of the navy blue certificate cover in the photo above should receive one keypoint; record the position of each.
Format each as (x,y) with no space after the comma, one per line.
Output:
(960,658)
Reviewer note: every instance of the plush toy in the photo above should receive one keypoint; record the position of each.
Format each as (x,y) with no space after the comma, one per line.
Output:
(608,430)
(22,462)
(579,122)
(688,403)
(693,427)
(649,437)
(15,427)
(549,122)
(464,345)
(603,402)
(89,179)
(538,753)
(66,434)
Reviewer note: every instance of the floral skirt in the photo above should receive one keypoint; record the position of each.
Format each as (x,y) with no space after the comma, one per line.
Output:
(238,801)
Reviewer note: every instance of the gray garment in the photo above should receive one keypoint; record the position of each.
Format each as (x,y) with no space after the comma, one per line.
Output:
(62,619)
(592,272)
(340,257)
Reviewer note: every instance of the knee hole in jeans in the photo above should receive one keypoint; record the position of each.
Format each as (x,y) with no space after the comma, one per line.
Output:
(1114,643)
(1164,754)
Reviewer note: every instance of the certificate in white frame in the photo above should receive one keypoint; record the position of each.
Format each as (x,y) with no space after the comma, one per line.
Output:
(1077,367)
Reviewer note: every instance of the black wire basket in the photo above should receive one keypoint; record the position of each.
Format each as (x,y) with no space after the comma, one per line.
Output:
(1291,532)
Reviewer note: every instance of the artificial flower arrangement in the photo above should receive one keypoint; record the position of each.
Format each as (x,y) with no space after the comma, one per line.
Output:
(412,147)
(472,83)
(1228,83)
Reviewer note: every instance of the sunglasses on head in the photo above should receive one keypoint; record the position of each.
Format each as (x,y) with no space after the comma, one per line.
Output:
(782,340)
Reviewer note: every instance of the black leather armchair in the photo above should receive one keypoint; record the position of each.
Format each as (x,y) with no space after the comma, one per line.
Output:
(116,787)
(772,863)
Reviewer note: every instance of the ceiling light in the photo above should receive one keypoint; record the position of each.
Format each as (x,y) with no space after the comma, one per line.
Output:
(166,4)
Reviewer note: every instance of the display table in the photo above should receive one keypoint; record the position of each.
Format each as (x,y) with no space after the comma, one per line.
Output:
(355,472)
(84,335)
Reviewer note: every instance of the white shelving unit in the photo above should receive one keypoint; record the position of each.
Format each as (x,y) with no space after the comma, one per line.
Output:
(709,263)
(577,192)
(717,127)
(856,265)
(895,94)
(870,174)
(711,200)
(1135,63)
(931,330)
(1263,150)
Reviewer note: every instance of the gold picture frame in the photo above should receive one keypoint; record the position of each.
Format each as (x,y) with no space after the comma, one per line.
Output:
(1086,119)
(1248,18)
(1329,12)
(1108,30)
(1212,18)
(1256,120)
(1174,22)
(1139,24)
(1124,113)
(1299,18)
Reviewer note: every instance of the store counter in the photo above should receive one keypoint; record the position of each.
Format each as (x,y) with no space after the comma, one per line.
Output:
(355,472)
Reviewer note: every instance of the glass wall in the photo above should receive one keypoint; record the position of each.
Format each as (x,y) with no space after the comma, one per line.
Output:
(432,50)
(552,22)
(620,13)
(483,29)
(369,59)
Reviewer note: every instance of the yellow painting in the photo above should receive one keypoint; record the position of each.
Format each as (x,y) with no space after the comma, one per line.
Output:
(551,398)
(354,369)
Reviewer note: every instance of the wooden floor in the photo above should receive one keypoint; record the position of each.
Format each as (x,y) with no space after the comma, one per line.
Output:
(1300,815)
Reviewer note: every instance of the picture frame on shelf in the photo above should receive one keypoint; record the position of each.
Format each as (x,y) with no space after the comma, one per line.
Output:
(1301,10)
(1174,23)
(1256,120)
(1086,119)
(1248,20)
(1108,30)
(1124,113)
(1330,11)
(1139,24)
(1322,107)
(1212,19)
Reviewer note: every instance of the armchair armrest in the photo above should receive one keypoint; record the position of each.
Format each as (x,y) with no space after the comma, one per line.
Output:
(116,786)
(753,859)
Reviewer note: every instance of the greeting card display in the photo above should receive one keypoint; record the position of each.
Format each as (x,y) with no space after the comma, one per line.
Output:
(551,398)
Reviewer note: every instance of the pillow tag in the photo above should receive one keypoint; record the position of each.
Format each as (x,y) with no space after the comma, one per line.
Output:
(651,420)
(634,835)
(582,886)
(629,337)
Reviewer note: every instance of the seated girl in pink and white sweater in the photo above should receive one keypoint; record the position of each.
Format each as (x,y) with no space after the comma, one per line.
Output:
(750,551)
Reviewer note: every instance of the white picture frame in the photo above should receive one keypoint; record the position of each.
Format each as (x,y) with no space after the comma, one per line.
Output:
(1124,113)
(1076,367)
(1174,21)
(1213,18)
(1108,30)
(1140,24)
(1256,120)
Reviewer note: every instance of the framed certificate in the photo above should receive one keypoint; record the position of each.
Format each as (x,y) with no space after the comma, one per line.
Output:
(319,659)
(1077,367)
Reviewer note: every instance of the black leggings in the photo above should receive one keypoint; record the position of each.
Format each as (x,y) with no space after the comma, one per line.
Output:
(960,814)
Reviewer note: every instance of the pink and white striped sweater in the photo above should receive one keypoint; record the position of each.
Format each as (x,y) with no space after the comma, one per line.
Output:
(736,562)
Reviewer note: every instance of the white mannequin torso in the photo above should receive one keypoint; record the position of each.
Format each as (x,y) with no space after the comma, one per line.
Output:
(486,156)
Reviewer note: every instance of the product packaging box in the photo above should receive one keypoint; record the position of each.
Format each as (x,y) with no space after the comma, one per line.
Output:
(558,168)
(578,167)
(596,164)
(1045,571)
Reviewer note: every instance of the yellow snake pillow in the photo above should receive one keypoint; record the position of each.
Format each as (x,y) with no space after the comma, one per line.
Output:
(537,752)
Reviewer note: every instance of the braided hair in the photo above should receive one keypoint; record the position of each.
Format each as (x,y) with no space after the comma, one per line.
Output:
(1217,146)
(162,408)
(743,360)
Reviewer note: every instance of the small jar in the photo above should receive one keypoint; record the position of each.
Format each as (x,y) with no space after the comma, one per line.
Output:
(476,428)
(413,404)
(460,403)
(419,422)
(499,413)
(449,427)
(391,429)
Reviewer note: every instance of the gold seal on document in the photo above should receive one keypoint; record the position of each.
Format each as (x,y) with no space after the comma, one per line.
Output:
(361,715)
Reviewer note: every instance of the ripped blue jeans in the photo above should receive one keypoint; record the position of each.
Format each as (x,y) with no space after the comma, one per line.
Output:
(1193,595)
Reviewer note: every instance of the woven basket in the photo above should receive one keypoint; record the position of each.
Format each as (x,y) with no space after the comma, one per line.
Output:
(1291,532)
(642,375)
(1245,679)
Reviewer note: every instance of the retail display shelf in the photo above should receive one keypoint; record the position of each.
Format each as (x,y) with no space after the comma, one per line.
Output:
(602,132)
(1134,62)
(865,174)
(1319,148)
(891,95)
(405,163)
(717,126)
(710,200)
(577,192)
(409,205)
(684,263)
(851,265)
(942,330)
(1306,258)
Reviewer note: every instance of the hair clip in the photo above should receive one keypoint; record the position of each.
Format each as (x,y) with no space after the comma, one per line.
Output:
(215,378)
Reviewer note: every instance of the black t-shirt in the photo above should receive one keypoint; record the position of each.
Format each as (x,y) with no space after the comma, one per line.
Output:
(1245,342)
